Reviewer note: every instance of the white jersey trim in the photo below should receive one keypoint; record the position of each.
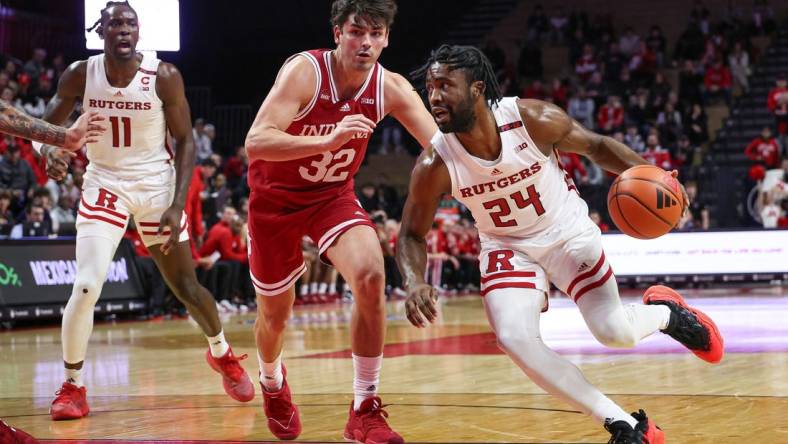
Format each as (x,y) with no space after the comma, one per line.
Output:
(301,114)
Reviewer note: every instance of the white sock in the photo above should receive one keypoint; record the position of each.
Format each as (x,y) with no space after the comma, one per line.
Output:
(366,378)
(304,289)
(218,344)
(332,288)
(313,287)
(271,373)
(322,288)
(74,376)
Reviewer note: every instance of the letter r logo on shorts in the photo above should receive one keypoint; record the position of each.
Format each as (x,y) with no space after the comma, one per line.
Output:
(500,260)
(106,199)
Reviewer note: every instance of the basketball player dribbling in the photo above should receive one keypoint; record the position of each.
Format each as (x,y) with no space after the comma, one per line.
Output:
(497,155)
(132,172)
(305,146)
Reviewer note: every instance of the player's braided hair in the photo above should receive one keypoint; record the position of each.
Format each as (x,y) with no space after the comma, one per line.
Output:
(105,12)
(468,58)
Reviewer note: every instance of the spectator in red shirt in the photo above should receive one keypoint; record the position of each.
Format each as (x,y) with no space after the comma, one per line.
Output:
(597,218)
(764,150)
(586,64)
(778,105)
(236,167)
(574,167)
(611,116)
(559,93)
(226,241)
(656,155)
(224,238)
(718,81)
(535,91)
(193,208)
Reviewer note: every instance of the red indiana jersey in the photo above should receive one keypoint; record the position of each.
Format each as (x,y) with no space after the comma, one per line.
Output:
(304,182)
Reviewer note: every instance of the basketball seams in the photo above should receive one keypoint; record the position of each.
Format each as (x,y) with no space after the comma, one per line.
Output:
(624,217)
(635,198)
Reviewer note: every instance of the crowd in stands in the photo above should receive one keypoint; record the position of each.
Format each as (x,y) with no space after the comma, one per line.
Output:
(617,86)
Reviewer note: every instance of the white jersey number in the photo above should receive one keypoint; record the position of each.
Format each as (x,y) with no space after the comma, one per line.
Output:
(326,169)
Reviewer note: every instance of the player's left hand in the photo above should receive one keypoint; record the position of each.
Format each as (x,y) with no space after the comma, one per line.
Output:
(675,174)
(172,219)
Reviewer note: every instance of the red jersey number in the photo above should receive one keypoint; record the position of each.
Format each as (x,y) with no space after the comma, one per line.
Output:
(504,209)
(117,131)
(328,168)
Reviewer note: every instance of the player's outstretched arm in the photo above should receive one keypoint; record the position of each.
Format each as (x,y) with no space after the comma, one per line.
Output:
(169,87)
(69,89)
(405,105)
(429,181)
(293,89)
(550,126)
(19,124)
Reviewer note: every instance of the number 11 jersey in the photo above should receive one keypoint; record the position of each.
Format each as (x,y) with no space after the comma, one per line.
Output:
(303,182)
(523,194)
(135,143)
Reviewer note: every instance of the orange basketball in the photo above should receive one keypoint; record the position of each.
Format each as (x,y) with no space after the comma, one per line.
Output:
(645,202)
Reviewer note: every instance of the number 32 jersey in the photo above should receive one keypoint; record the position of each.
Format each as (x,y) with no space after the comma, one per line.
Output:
(303,182)
(135,142)
(523,194)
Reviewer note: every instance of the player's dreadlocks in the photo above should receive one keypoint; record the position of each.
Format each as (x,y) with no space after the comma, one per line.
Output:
(468,58)
(105,12)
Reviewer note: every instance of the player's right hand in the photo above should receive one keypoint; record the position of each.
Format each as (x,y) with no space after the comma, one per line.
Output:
(86,129)
(57,162)
(421,304)
(347,128)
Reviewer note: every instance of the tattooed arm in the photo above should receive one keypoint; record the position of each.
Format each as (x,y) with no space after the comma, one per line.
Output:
(85,130)
(19,124)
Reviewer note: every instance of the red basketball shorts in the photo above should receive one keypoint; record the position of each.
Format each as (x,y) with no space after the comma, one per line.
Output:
(275,233)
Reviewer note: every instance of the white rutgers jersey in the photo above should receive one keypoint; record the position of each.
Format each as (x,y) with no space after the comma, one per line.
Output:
(522,194)
(135,143)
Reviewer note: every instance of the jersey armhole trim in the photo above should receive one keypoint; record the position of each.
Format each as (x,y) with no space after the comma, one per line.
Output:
(381,109)
(524,129)
(301,114)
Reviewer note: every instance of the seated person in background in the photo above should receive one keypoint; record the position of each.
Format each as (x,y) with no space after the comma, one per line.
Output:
(597,219)
(34,224)
(152,280)
(764,149)
(6,216)
(656,155)
(718,82)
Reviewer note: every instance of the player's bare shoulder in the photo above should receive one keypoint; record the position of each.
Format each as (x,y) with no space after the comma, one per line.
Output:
(74,78)
(546,123)
(397,90)
(430,175)
(298,76)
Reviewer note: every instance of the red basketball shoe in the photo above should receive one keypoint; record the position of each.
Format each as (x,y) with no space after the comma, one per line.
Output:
(70,403)
(10,435)
(645,432)
(688,325)
(284,420)
(234,378)
(368,425)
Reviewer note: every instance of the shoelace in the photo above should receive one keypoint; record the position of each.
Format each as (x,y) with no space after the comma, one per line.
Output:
(375,416)
(232,367)
(66,390)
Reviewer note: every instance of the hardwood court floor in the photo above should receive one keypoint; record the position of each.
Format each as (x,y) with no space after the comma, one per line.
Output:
(148,381)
